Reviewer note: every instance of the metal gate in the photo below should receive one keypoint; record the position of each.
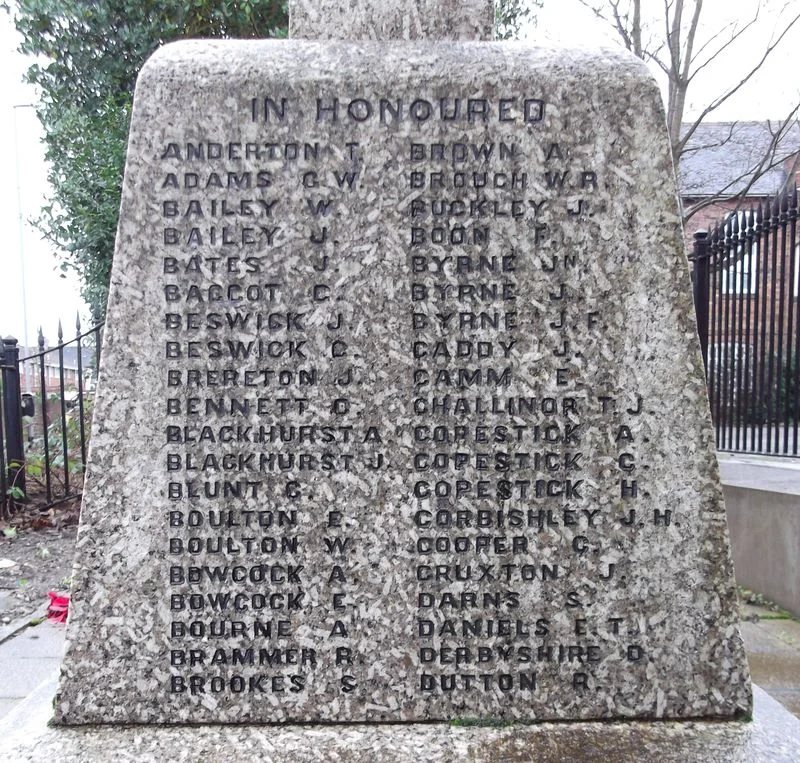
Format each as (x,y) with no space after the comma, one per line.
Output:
(746,284)
(45,414)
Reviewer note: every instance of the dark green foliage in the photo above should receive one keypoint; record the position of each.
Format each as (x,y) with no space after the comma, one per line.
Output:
(754,387)
(778,402)
(88,54)
(510,15)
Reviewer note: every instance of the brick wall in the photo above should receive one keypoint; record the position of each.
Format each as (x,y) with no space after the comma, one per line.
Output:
(711,215)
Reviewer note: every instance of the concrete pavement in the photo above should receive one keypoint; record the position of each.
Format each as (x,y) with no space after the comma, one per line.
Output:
(772,642)
(29,655)
(767,473)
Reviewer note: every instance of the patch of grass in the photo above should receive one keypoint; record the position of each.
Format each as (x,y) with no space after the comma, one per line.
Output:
(746,596)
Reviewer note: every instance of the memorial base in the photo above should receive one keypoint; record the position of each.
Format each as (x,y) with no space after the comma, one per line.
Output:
(773,735)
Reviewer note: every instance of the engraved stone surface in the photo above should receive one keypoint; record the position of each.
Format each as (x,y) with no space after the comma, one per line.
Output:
(391,19)
(401,414)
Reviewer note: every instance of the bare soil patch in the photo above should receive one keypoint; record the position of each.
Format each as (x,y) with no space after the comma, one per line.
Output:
(36,555)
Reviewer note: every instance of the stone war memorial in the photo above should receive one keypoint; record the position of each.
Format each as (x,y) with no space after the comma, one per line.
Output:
(402,446)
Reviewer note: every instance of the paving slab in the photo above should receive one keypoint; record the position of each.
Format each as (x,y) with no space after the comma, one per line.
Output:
(789,698)
(773,652)
(27,658)
(11,628)
(777,671)
(21,676)
(771,474)
(787,630)
(7,704)
(758,638)
(45,640)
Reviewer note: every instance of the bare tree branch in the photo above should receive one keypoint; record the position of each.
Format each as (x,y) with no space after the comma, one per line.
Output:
(737,33)
(687,59)
(719,33)
(619,23)
(772,157)
(703,147)
(597,11)
(680,55)
(717,102)
(637,28)
(791,173)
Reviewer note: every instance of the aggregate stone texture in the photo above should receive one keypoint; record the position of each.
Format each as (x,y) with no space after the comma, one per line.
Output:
(773,736)
(401,414)
(391,20)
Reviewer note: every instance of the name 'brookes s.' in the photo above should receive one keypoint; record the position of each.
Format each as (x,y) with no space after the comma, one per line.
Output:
(390,110)
(506,489)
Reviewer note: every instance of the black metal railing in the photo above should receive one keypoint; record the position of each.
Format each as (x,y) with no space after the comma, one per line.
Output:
(746,286)
(47,400)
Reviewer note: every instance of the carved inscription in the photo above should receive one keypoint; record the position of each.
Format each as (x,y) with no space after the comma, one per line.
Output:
(497,469)
(402,417)
(277,420)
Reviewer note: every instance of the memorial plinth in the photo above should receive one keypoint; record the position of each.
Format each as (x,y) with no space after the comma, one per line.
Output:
(402,415)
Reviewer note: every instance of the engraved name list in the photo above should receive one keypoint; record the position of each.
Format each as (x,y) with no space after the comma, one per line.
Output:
(266,423)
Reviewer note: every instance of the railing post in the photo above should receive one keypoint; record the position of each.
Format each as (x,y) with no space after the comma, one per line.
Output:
(99,326)
(701,256)
(12,408)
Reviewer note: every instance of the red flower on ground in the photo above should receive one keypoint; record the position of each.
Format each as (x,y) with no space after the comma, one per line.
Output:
(59,606)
